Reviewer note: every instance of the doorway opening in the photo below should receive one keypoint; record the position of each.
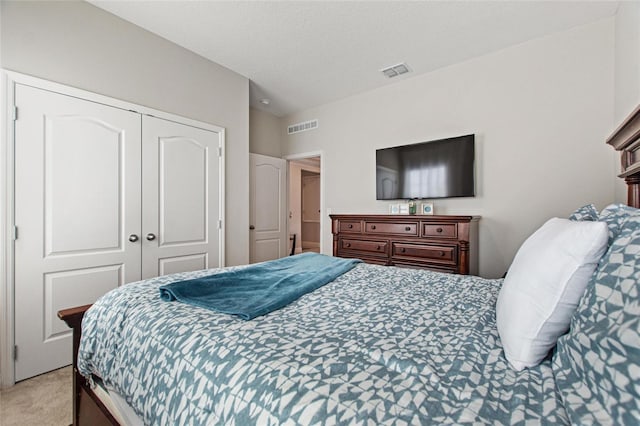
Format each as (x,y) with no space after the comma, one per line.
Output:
(305,204)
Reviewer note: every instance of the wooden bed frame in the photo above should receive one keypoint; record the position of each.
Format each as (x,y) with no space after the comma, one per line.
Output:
(89,410)
(87,407)
(626,139)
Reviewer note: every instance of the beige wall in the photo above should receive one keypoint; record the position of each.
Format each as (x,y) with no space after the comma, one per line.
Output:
(540,110)
(265,133)
(77,44)
(627,70)
(627,59)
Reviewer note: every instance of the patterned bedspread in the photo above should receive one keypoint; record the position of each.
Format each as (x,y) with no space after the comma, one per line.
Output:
(379,345)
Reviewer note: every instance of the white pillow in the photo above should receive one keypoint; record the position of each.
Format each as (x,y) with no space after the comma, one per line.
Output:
(544,285)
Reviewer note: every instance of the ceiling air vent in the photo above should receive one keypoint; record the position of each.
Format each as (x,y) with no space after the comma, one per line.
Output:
(302,127)
(395,70)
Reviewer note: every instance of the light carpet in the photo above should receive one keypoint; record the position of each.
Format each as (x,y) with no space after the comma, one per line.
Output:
(41,400)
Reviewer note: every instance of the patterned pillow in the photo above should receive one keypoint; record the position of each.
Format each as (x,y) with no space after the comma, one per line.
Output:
(587,213)
(597,364)
(614,215)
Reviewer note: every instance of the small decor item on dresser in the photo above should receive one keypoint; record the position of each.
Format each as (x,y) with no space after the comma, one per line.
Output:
(413,206)
(404,208)
(426,208)
(394,209)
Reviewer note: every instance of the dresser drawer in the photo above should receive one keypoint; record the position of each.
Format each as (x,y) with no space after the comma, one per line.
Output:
(350,226)
(410,228)
(442,230)
(364,246)
(441,254)
(421,265)
(374,260)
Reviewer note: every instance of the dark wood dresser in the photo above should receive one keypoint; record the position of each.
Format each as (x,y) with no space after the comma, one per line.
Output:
(440,243)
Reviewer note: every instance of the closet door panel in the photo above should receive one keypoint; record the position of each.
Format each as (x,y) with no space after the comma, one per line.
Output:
(180,197)
(77,201)
(84,185)
(183,166)
(183,263)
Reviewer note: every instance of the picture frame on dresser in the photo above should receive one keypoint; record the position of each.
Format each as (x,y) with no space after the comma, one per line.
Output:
(403,208)
(426,208)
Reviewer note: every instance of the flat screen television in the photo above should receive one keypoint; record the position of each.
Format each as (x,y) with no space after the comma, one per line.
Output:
(441,168)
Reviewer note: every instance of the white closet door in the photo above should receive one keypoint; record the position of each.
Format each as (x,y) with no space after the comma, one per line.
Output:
(267,208)
(180,198)
(77,201)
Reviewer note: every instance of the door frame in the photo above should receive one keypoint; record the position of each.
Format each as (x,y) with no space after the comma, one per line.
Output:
(8,81)
(323,219)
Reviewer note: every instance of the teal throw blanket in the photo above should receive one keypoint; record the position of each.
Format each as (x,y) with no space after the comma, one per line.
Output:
(261,288)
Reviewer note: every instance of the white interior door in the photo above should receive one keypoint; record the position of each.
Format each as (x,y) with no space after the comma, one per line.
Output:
(77,201)
(267,208)
(180,198)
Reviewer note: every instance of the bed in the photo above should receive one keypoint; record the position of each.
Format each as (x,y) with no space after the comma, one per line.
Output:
(376,345)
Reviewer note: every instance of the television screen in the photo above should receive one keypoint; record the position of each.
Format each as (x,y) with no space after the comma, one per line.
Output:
(437,169)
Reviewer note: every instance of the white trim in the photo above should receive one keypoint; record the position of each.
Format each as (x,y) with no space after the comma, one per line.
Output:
(8,81)
(7,376)
(323,219)
(221,198)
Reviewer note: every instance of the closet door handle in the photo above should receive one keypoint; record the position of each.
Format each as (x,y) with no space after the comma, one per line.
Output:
(151,237)
(133,238)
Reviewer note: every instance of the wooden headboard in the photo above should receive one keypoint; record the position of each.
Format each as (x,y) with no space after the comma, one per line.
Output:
(626,139)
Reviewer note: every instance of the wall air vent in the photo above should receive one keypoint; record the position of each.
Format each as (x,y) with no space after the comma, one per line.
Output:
(302,127)
(395,70)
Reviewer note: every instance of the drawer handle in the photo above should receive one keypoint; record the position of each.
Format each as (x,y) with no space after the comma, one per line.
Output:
(439,230)
(402,250)
(347,245)
(441,253)
(377,247)
(407,228)
(349,226)
(373,227)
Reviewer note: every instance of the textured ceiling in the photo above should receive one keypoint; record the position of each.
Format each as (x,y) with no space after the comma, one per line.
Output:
(303,54)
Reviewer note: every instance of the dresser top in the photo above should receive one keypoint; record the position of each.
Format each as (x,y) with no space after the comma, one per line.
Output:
(396,217)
